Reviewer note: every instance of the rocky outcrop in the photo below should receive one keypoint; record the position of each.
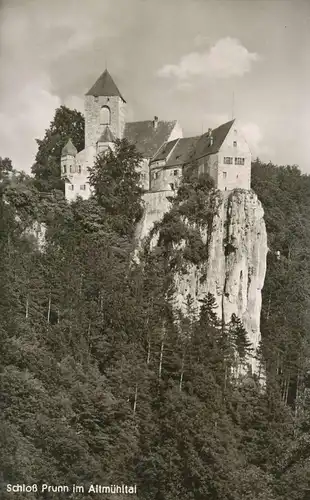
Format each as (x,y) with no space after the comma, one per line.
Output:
(234,268)
(156,204)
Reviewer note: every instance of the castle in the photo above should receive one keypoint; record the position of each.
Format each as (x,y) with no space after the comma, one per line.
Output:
(222,152)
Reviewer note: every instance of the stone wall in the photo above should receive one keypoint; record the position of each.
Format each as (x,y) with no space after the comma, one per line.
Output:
(156,205)
(93,128)
(162,178)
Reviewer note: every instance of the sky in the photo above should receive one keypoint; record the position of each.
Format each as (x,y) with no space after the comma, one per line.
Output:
(197,61)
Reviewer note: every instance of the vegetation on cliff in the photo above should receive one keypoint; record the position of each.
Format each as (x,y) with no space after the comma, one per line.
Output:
(100,384)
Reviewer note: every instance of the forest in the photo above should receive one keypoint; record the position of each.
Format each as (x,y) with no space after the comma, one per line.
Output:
(99,382)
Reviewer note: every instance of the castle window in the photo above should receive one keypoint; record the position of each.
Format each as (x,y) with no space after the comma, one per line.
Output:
(79,169)
(239,161)
(105,115)
(82,187)
(228,160)
(71,187)
(235,144)
(224,175)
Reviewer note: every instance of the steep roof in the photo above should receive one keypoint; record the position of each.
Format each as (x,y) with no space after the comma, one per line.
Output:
(107,135)
(146,137)
(105,86)
(203,147)
(181,152)
(165,150)
(69,149)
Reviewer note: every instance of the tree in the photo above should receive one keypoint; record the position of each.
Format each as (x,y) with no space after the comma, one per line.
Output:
(66,124)
(115,179)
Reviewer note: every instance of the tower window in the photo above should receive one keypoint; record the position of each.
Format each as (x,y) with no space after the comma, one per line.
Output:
(239,161)
(105,115)
(235,144)
(79,169)
(71,169)
(228,160)
(64,169)
(155,175)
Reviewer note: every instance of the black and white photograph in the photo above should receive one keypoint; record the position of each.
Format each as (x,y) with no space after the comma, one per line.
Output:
(155,249)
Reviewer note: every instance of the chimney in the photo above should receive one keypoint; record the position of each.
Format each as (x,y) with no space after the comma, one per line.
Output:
(210,136)
(155,122)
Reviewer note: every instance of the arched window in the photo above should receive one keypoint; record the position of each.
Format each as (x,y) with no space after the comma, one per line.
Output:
(105,116)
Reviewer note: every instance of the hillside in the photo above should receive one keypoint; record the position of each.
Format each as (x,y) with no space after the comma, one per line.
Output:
(99,381)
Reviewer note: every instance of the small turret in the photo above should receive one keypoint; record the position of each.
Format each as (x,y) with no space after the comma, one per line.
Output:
(68,154)
(69,149)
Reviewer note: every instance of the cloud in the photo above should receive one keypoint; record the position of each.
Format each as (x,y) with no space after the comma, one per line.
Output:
(25,117)
(201,40)
(74,102)
(227,58)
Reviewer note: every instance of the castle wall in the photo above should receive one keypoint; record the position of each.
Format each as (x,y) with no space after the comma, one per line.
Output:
(144,171)
(156,205)
(79,185)
(162,178)
(93,127)
(209,165)
(232,176)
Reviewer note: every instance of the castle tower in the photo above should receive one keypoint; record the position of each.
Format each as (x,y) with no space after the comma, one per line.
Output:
(104,106)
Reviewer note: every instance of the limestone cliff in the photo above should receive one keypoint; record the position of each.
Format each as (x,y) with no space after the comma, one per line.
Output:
(235,244)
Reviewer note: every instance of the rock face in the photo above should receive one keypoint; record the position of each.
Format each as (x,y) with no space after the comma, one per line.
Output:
(235,266)
(156,205)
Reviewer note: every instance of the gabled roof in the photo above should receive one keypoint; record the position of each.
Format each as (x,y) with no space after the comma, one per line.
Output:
(105,86)
(146,137)
(165,150)
(107,135)
(203,146)
(181,152)
(69,149)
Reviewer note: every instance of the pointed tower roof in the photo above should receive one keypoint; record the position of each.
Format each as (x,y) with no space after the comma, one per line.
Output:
(69,149)
(107,135)
(105,86)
